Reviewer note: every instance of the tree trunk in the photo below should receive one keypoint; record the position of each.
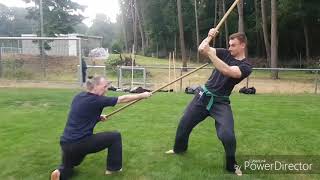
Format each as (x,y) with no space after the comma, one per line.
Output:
(124,33)
(225,24)
(158,49)
(306,37)
(257,13)
(175,44)
(181,31)
(197,28)
(215,20)
(146,36)
(265,31)
(147,41)
(274,39)
(215,12)
(241,19)
(0,63)
(140,27)
(134,26)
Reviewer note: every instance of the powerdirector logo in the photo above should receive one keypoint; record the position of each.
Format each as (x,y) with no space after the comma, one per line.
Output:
(279,164)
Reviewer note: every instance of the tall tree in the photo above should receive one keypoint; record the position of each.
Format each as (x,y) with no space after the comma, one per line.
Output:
(197,26)
(13,21)
(102,26)
(265,31)
(226,29)
(181,33)
(160,24)
(274,39)
(241,18)
(257,26)
(126,23)
(216,16)
(134,26)
(60,17)
(305,13)
(141,29)
(124,32)
(81,28)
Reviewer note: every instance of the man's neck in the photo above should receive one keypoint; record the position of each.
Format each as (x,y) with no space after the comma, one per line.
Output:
(93,92)
(240,57)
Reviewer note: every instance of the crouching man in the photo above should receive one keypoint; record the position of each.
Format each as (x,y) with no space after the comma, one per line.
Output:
(78,139)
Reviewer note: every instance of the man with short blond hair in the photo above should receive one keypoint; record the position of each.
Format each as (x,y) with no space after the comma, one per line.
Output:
(212,99)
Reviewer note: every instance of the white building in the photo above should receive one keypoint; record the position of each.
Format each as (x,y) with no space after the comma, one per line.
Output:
(62,47)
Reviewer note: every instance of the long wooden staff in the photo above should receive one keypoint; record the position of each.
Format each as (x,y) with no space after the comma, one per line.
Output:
(204,65)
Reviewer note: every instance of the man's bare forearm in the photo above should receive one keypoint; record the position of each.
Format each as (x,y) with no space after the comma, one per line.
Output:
(218,63)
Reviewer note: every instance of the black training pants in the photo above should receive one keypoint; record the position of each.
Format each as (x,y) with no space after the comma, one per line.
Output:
(197,112)
(74,153)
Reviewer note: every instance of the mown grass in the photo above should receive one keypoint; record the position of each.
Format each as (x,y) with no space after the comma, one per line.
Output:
(32,121)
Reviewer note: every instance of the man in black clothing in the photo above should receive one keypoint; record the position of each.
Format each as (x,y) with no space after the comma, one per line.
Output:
(212,99)
(78,139)
(84,70)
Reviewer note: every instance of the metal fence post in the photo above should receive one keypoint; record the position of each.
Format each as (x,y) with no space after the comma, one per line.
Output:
(120,77)
(118,74)
(80,62)
(144,77)
(181,69)
(316,83)
(0,62)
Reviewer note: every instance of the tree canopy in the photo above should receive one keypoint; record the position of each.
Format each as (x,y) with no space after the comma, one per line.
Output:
(59,17)
(298,23)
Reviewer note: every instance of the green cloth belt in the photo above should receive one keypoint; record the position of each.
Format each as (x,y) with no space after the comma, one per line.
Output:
(213,97)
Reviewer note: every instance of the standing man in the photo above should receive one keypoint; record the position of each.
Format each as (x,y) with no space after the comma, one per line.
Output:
(78,139)
(212,99)
(84,70)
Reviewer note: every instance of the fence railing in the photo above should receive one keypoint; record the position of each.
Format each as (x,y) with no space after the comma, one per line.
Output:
(290,79)
(66,69)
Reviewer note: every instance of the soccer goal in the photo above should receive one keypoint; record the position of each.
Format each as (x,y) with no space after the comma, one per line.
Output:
(130,76)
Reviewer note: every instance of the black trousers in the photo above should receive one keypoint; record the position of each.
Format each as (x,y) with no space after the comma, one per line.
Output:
(74,153)
(197,112)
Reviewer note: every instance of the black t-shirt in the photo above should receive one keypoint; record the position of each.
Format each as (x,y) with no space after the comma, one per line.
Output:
(84,114)
(223,85)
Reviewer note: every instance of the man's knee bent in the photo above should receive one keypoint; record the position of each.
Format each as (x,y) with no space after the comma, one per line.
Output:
(116,136)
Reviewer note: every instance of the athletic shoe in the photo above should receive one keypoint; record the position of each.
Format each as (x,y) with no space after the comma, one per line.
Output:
(108,172)
(170,152)
(55,175)
(236,170)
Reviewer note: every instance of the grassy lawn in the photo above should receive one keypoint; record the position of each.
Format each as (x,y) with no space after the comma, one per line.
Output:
(32,121)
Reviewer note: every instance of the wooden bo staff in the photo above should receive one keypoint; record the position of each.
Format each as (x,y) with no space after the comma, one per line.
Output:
(204,65)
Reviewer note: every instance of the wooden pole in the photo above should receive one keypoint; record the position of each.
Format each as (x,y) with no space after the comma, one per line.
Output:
(181,77)
(129,104)
(169,70)
(225,17)
(132,57)
(174,71)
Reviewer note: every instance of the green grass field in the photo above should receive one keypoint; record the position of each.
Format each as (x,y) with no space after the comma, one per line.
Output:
(32,121)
